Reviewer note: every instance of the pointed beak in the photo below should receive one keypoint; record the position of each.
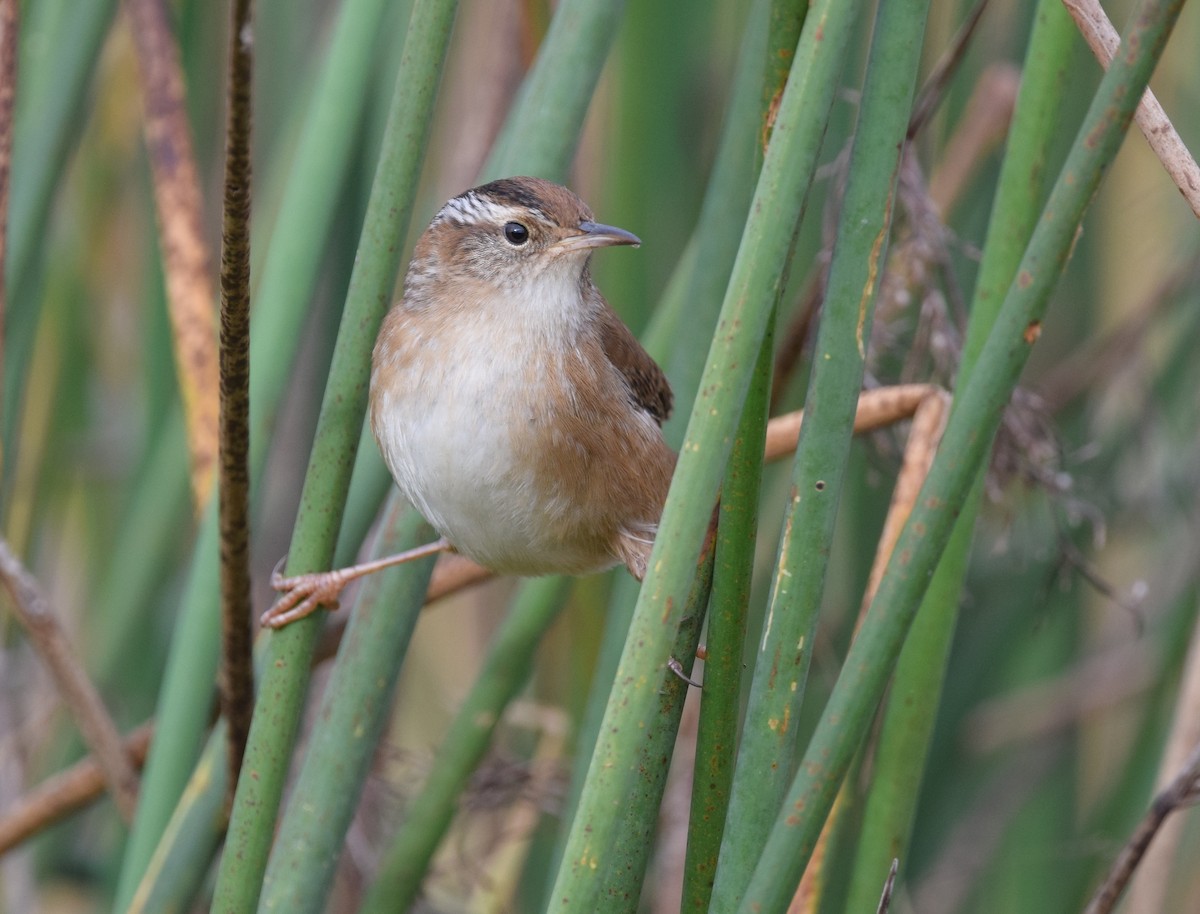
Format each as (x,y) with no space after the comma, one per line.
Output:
(596,235)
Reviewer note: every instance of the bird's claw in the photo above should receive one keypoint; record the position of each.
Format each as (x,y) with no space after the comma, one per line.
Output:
(677,668)
(301,595)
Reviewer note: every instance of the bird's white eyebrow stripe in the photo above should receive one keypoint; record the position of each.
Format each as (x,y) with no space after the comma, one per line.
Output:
(472,207)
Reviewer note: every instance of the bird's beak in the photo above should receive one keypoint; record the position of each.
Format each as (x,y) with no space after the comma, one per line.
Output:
(596,235)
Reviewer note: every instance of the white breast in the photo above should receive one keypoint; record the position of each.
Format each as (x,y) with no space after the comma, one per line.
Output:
(450,424)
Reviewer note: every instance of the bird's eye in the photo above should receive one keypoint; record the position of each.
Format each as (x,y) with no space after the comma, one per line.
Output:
(516,233)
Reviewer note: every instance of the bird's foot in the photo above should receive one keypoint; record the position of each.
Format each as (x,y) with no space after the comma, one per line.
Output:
(301,595)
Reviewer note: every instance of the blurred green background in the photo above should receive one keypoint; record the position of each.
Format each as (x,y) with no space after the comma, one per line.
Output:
(1067,674)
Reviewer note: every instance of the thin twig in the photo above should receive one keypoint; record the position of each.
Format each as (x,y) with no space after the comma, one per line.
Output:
(1181,790)
(64,793)
(885,900)
(876,408)
(77,690)
(237,669)
(187,260)
(10,18)
(1150,117)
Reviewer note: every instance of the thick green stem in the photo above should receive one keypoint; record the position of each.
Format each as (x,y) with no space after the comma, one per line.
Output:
(675,562)
(767,755)
(914,697)
(322,158)
(964,447)
(505,671)
(285,681)
(353,712)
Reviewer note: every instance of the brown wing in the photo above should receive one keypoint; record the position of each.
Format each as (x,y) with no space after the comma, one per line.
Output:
(648,386)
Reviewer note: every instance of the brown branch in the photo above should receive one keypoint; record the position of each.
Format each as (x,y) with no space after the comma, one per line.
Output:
(64,793)
(10,18)
(929,422)
(78,693)
(187,261)
(1150,117)
(237,668)
(876,408)
(1181,790)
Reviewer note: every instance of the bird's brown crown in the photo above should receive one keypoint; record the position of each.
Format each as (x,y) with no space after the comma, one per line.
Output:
(542,200)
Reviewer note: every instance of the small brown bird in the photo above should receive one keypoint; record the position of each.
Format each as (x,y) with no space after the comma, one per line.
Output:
(514,409)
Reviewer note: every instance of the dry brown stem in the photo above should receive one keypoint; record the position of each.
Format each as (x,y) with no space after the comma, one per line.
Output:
(1182,790)
(66,792)
(186,257)
(78,693)
(929,422)
(1150,117)
(876,408)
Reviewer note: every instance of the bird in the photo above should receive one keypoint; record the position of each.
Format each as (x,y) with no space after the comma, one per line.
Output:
(512,406)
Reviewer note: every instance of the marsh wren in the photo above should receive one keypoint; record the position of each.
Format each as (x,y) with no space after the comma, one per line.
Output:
(512,406)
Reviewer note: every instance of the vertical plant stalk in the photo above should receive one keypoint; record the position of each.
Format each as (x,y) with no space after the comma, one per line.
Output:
(237,666)
(925,434)
(183,859)
(965,444)
(353,712)
(675,562)
(505,670)
(720,701)
(915,695)
(289,650)
(10,25)
(186,258)
(77,691)
(769,737)
(321,161)
(49,109)
(556,92)
(783,31)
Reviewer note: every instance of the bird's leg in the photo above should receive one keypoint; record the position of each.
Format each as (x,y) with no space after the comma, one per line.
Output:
(302,594)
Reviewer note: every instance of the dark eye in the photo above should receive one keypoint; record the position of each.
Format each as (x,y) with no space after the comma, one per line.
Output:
(516,233)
